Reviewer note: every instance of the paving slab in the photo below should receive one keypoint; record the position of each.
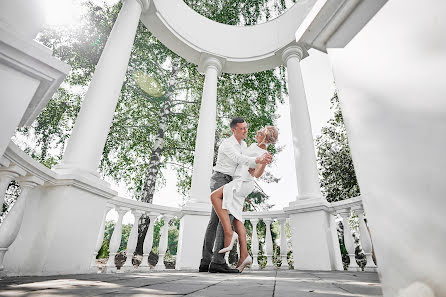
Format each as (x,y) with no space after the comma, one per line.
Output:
(186,283)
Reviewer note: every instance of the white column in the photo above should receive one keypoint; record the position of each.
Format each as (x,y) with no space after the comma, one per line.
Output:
(269,244)
(348,240)
(87,140)
(254,245)
(148,243)
(8,174)
(133,240)
(283,244)
(99,241)
(115,241)
(196,211)
(304,155)
(163,243)
(11,225)
(204,145)
(366,241)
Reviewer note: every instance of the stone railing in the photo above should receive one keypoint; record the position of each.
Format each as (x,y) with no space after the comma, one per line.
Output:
(28,173)
(345,209)
(137,209)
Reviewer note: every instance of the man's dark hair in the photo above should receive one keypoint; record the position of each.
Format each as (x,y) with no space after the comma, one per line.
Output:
(235,121)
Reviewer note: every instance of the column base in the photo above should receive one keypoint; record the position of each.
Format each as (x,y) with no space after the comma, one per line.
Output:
(73,169)
(306,199)
(143,268)
(255,263)
(52,225)
(190,243)
(160,266)
(313,236)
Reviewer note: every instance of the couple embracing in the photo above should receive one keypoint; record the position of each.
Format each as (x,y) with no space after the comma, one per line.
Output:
(231,182)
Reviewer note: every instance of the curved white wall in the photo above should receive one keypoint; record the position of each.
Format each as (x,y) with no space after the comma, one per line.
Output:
(245,48)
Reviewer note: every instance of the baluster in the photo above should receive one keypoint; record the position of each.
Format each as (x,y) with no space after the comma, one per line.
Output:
(269,244)
(163,243)
(115,241)
(366,241)
(99,241)
(254,245)
(148,243)
(337,265)
(7,175)
(283,244)
(348,240)
(11,224)
(133,240)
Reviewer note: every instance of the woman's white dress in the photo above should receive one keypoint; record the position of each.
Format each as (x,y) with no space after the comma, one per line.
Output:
(235,192)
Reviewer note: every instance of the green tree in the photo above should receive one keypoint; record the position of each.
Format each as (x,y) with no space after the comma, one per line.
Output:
(337,174)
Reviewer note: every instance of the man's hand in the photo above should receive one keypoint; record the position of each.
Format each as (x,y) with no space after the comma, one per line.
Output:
(266,158)
(251,171)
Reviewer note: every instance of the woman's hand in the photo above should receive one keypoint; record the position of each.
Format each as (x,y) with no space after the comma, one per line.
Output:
(251,171)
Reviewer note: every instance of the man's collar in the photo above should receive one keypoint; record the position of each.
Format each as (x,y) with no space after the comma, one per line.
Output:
(234,140)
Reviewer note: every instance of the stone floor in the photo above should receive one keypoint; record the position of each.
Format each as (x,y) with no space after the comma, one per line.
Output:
(178,283)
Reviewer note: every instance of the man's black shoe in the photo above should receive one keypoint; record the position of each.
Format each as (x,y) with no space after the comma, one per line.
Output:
(204,267)
(221,268)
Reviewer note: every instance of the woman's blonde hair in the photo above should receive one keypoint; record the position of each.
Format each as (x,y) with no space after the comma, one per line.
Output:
(271,134)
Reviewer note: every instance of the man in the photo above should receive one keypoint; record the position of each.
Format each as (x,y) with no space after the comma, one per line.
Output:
(230,154)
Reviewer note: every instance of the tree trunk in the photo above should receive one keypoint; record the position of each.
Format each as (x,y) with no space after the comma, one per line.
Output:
(155,158)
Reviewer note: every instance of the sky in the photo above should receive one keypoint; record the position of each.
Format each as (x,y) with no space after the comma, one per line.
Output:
(319,87)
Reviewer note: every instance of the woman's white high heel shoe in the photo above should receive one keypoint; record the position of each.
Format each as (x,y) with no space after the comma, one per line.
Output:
(229,247)
(246,262)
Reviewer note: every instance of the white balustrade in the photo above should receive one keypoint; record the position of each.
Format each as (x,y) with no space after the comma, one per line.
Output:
(115,241)
(283,244)
(99,241)
(163,243)
(366,241)
(268,244)
(131,243)
(14,165)
(11,225)
(148,243)
(348,240)
(254,245)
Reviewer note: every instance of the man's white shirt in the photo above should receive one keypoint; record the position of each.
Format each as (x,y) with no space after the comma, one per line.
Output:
(230,154)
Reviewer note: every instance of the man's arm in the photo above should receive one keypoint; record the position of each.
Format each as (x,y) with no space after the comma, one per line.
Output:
(230,151)
(237,157)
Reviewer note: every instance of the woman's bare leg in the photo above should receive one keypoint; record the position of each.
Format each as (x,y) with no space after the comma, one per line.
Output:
(240,229)
(217,202)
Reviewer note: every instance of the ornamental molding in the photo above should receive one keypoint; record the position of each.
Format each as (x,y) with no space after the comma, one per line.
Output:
(294,51)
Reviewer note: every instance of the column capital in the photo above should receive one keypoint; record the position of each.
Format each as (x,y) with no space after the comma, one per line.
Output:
(267,220)
(12,170)
(294,51)
(152,215)
(121,210)
(29,181)
(281,220)
(207,60)
(344,213)
(137,213)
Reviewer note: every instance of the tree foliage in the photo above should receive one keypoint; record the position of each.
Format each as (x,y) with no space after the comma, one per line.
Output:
(337,174)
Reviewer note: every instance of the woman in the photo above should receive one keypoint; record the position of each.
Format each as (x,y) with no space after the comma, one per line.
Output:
(230,198)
